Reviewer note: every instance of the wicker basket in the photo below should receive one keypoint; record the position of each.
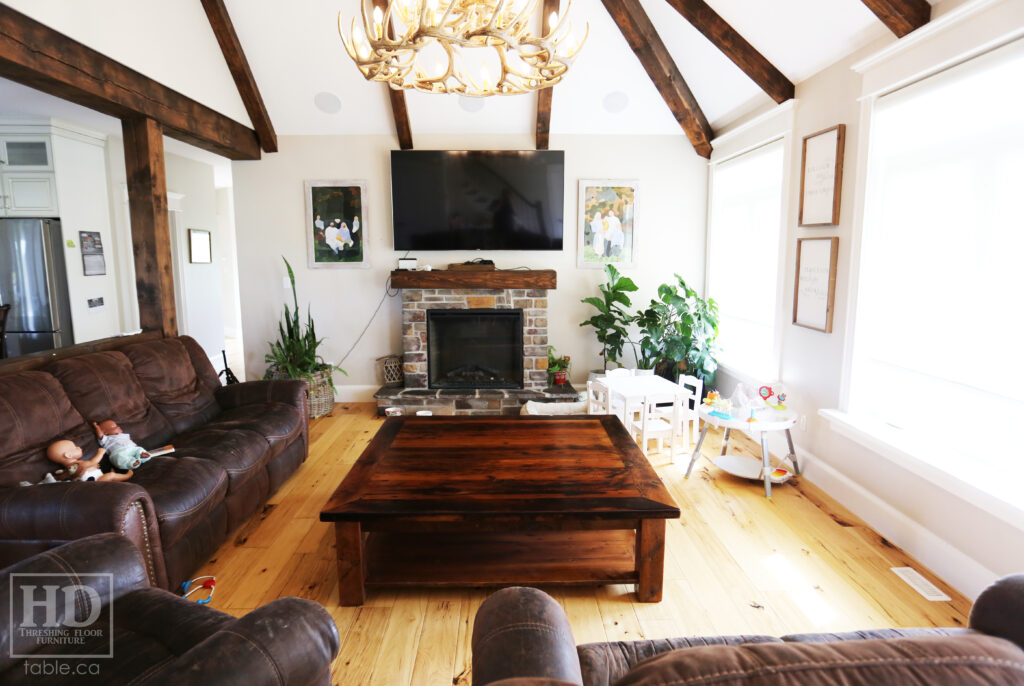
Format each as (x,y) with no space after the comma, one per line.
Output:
(321,391)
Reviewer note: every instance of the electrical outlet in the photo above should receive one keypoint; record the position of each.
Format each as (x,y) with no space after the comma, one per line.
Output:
(803,422)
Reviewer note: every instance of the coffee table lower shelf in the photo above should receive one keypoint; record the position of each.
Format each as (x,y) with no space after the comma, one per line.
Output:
(500,558)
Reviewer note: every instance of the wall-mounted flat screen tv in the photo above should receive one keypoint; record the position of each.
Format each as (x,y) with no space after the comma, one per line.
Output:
(477,200)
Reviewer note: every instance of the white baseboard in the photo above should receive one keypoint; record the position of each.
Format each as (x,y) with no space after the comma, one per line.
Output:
(959,570)
(354,393)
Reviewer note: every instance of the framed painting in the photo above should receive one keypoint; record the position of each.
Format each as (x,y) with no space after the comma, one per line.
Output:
(821,177)
(607,223)
(335,224)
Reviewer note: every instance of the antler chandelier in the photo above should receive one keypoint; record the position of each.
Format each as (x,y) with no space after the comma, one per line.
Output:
(427,45)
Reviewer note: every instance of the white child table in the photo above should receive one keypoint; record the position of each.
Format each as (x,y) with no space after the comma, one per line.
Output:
(768,419)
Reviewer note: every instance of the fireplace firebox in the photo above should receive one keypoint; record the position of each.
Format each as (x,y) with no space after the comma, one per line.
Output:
(475,348)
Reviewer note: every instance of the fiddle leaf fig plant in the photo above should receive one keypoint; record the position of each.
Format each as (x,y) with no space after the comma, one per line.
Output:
(678,329)
(612,319)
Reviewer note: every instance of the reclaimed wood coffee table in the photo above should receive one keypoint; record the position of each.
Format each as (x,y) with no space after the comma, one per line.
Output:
(482,501)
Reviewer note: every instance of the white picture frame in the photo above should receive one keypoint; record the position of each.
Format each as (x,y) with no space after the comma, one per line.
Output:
(601,200)
(335,224)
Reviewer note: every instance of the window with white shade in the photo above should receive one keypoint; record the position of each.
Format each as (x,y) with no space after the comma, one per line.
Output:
(938,361)
(744,229)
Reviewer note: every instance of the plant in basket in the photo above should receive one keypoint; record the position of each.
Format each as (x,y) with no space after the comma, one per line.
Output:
(558,367)
(294,355)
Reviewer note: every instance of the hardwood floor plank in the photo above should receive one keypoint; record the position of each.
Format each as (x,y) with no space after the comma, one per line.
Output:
(361,647)
(435,659)
(735,562)
(400,640)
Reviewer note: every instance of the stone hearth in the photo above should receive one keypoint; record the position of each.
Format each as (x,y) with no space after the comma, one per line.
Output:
(469,402)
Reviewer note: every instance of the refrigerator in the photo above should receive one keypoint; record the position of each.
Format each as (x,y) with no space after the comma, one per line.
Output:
(33,281)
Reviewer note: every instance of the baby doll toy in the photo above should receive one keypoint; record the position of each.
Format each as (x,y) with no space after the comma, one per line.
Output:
(74,468)
(124,454)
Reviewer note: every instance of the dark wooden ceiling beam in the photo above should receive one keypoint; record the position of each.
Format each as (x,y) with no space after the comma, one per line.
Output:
(47,60)
(399,110)
(736,48)
(231,47)
(545,95)
(642,37)
(401,114)
(901,16)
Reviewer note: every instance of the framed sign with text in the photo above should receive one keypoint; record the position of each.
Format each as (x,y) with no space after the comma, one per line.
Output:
(821,177)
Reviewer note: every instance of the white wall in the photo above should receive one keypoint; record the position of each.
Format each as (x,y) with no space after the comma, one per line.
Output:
(80,167)
(269,209)
(966,544)
(226,261)
(201,283)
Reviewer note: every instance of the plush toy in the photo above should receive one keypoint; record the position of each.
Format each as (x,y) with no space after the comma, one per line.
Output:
(124,454)
(74,468)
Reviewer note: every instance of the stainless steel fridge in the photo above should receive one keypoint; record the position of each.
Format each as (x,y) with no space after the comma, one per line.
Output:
(33,281)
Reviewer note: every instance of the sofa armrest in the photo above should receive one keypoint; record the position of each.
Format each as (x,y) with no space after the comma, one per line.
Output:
(523,632)
(69,565)
(289,641)
(999,609)
(291,391)
(53,514)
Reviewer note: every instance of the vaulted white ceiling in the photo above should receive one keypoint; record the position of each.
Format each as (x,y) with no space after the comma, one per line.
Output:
(310,86)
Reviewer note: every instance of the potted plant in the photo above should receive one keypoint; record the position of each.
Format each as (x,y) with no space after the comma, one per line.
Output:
(558,368)
(678,332)
(611,319)
(294,356)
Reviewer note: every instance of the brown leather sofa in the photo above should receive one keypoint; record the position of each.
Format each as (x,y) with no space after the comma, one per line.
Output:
(522,638)
(129,632)
(235,445)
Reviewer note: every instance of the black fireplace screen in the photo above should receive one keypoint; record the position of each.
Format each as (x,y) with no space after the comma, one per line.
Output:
(475,348)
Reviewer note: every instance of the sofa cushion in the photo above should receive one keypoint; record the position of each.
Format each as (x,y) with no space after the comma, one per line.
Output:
(926,661)
(34,412)
(103,386)
(603,663)
(184,491)
(165,372)
(279,423)
(241,452)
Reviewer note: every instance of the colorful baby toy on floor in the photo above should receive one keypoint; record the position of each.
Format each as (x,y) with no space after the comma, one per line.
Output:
(209,584)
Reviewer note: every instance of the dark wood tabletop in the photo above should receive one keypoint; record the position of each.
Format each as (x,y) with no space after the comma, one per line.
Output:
(584,466)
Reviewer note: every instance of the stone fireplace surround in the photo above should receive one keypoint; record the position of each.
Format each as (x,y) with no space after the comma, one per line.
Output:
(415,395)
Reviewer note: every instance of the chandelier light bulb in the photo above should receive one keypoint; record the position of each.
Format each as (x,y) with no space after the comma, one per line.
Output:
(386,48)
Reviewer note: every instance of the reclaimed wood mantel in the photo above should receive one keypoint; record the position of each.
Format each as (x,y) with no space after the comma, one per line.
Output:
(499,278)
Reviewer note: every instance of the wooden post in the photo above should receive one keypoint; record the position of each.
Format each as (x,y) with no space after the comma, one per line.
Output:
(151,231)
(351,565)
(650,560)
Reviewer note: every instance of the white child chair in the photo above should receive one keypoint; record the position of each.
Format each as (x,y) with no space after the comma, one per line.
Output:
(653,424)
(695,387)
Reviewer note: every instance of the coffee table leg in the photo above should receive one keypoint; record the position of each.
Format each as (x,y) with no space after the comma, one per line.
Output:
(650,560)
(351,590)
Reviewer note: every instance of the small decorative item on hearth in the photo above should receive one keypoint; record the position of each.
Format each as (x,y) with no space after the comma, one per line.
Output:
(558,368)
(392,366)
